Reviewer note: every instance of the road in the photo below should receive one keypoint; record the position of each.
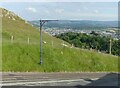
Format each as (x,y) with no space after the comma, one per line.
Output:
(59,79)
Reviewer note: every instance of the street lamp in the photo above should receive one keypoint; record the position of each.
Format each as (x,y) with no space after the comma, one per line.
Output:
(42,22)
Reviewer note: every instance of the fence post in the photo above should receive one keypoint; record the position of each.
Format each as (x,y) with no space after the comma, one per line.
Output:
(52,43)
(12,37)
(72,46)
(110,46)
(28,40)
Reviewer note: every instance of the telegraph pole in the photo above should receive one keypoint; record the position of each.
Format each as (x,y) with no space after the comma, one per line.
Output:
(40,41)
(41,25)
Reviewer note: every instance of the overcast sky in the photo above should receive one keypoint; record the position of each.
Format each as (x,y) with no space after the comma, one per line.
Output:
(104,11)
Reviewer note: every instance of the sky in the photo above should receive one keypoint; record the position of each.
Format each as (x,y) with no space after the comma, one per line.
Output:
(60,0)
(99,11)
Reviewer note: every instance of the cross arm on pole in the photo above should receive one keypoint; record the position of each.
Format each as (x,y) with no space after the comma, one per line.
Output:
(44,21)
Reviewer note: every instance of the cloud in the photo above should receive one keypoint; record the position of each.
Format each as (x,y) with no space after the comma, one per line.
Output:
(96,11)
(31,9)
(78,10)
(93,16)
(85,8)
(46,11)
(59,11)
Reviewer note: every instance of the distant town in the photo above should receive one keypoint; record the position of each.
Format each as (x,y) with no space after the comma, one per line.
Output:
(110,32)
(102,28)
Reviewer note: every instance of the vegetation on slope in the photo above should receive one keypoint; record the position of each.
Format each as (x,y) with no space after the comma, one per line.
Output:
(57,56)
(94,41)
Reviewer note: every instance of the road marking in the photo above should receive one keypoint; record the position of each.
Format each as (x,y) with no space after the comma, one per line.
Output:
(95,79)
(27,83)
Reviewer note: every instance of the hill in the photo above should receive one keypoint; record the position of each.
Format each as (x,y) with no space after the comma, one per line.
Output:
(78,24)
(58,55)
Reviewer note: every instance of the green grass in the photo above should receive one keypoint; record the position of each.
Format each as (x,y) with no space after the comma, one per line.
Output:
(17,57)
(20,56)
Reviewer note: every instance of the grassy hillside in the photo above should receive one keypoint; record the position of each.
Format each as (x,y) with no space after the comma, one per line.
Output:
(21,56)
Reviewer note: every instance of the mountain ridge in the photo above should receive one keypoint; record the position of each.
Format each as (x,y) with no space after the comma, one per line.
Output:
(79,24)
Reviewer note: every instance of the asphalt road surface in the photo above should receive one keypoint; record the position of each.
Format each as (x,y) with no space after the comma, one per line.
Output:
(59,79)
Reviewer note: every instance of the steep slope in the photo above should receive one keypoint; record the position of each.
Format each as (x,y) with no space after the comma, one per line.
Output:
(57,56)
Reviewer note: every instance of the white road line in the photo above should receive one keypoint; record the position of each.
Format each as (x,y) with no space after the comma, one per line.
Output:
(27,83)
(9,78)
(15,77)
(95,79)
(15,81)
